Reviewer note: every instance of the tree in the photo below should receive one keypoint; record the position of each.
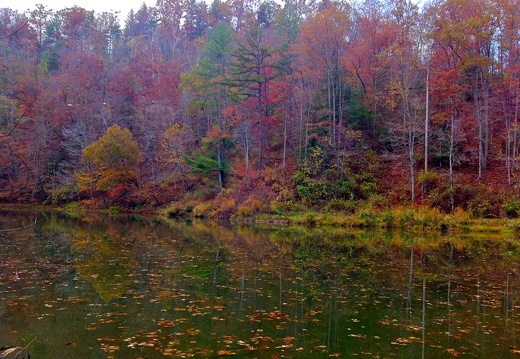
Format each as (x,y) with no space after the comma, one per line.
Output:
(367,60)
(174,146)
(468,31)
(448,97)
(38,20)
(208,82)
(112,160)
(196,19)
(256,64)
(405,86)
(509,91)
(322,44)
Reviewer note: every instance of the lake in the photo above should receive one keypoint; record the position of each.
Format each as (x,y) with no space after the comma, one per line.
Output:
(135,288)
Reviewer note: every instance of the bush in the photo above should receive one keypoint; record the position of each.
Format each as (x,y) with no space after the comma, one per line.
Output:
(429,179)
(343,205)
(389,220)
(250,207)
(113,211)
(512,209)
(202,210)
(485,203)
(369,219)
(65,194)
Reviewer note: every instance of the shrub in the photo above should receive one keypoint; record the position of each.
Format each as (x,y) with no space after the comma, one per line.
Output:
(202,210)
(250,207)
(512,209)
(368,218)
(343,205)
(428,179)
(113,211)
(64,194)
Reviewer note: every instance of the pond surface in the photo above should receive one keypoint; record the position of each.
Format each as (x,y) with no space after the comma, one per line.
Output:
(101,288)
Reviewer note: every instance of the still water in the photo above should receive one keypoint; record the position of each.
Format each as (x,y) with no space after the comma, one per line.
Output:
(114,288)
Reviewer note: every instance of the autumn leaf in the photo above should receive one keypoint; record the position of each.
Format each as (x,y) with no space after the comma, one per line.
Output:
(226,352)
(453,352)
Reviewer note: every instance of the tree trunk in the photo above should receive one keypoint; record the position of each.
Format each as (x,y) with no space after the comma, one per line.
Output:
(261,134)
(451,154)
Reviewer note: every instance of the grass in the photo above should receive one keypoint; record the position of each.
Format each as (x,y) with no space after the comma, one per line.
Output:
(413,219)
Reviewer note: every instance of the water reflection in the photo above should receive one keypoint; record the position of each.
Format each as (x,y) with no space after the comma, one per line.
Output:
(94,288)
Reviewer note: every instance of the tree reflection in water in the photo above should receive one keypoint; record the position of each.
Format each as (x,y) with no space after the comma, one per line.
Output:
(124,288)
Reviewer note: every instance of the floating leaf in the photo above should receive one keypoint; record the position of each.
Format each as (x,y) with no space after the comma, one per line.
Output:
(226,352)
(453,352)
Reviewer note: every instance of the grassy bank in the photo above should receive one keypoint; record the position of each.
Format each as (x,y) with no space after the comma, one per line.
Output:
(415,219)
(411,219)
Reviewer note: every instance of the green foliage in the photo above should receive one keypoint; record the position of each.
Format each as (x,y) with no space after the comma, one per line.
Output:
(388,220)
(359,115)
(343,205)
(315,191)
(366,185)
(283,207)
(203,164)
(512,209)
(63,194)
(431,181)
(319,181)
(427,177)
(49,62)
(73,209)
(113,211)
(218,47)
(369,218)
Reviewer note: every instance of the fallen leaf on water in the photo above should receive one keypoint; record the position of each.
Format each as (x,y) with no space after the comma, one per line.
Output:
(166,323)
(401,341)
(287,339)
(453,352)
(226,352)
(284,346)
(109,348)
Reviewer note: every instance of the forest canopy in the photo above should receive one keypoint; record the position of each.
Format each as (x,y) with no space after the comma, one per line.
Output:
(262,106)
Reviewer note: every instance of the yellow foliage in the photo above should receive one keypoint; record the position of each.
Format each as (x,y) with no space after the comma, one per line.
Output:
(113,159)
(252,206)
(202,209)
(85,180)
(173,142)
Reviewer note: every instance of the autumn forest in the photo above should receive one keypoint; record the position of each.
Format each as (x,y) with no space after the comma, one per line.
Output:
(256,106)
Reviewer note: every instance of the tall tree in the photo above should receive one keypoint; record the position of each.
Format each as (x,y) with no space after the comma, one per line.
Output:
(256,64)
(509,91)
(407,80)
(322,44)
(208,81)
(468,31)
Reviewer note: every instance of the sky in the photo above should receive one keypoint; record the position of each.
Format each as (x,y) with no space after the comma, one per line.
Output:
(123,6)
